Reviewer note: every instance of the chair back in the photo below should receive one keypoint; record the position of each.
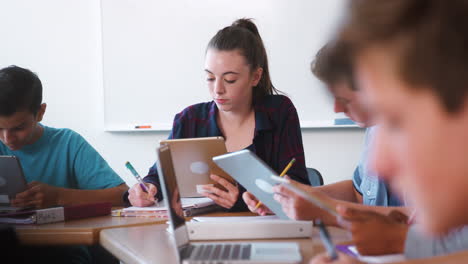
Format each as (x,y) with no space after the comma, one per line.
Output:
(315,177)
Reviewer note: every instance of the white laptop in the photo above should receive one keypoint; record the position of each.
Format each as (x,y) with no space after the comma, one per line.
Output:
(240,252)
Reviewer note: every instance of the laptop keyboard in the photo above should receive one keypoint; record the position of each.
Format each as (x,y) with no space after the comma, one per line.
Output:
(217,252)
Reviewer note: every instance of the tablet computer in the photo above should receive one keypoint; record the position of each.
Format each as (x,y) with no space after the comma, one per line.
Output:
(317,201)
(193,162)
(254,174)
(12,180)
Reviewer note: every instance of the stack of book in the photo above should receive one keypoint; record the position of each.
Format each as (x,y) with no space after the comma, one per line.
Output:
(54,214)
(191,206)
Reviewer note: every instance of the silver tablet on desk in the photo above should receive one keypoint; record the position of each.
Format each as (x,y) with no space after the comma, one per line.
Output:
(12,180)
(254,174)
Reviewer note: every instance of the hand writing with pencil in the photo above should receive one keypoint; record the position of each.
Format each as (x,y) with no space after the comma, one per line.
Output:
(332,255)
(141,194)
(138,197)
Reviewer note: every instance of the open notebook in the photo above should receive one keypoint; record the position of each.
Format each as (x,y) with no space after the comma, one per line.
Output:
(186,203)
(191,206)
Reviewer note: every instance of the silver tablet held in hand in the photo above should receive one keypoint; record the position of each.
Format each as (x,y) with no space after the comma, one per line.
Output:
(254,174)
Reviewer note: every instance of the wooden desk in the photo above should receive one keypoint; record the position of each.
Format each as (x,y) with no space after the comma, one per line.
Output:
(85,231)
(151,244)
(77,232)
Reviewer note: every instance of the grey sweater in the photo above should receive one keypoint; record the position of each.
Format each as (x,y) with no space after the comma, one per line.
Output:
(420,245)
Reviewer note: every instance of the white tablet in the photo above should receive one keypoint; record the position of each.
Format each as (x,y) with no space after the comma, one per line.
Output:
(12,180)
(254,174)
(193,164)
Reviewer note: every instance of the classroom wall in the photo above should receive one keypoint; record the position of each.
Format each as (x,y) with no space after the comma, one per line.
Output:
(136,26)
(61,41)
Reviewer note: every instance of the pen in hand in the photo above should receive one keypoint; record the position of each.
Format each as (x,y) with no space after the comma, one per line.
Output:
(327,242)
(281,175)
(137,176)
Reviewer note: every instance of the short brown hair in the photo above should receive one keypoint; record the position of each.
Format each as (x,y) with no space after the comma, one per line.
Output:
(332,64)
(433,38)
(20,90)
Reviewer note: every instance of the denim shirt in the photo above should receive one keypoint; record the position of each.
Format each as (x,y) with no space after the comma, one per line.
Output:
(366,182)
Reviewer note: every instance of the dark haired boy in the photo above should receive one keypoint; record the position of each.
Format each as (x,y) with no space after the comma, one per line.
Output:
(61,168)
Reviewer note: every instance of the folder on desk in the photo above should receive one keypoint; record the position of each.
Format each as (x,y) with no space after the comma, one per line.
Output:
(56,214)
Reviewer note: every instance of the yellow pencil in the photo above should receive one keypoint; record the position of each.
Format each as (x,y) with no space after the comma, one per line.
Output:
(281,175)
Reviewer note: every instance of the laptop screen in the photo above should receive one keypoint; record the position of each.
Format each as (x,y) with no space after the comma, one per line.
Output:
(171,195)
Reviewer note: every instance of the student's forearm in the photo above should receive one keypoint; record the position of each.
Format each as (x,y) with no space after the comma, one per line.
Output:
(379,209)
(344,193)
(75,196)
(343,190)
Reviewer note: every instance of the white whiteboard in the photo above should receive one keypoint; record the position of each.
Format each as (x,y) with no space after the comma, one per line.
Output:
(153,55)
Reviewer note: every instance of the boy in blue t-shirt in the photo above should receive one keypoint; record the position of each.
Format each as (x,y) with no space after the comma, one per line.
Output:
(61,168)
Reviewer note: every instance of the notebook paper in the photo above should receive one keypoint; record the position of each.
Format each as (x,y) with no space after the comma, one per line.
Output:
(186,203)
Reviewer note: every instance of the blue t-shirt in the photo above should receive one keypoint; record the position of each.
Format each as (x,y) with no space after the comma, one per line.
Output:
(366,182)
(63,158)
